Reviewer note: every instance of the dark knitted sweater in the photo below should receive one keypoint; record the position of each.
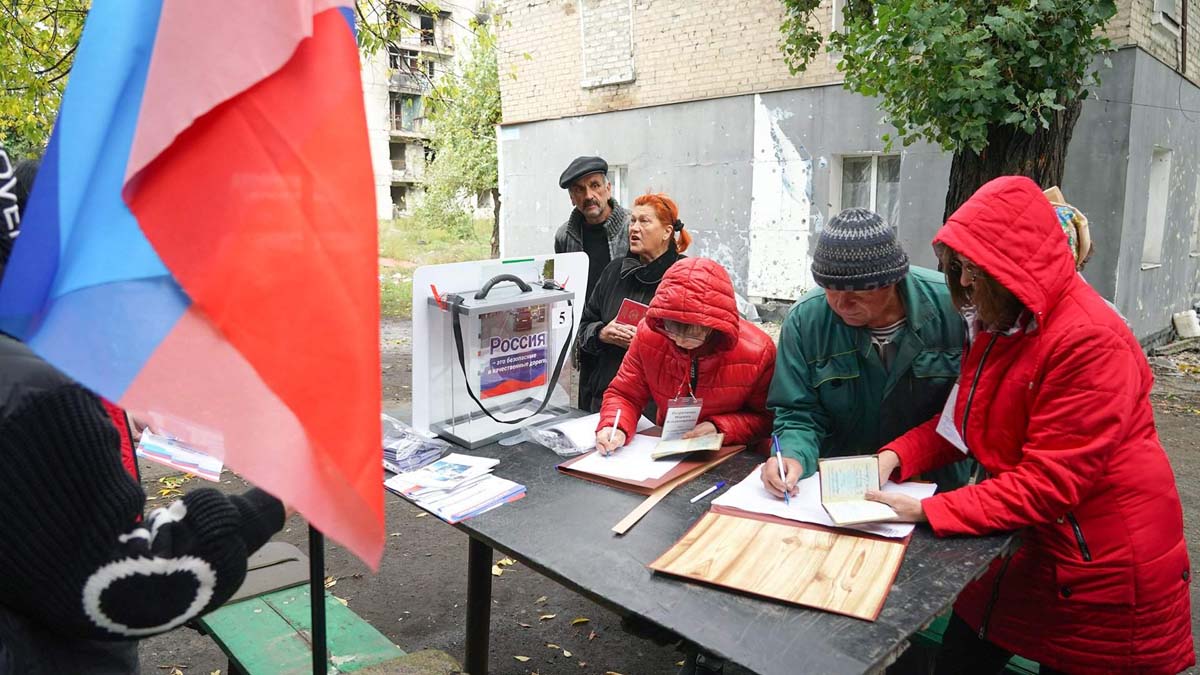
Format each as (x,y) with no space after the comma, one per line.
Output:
(75,559)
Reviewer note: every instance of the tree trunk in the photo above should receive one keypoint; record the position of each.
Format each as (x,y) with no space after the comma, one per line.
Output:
(495,222)
(1010,151)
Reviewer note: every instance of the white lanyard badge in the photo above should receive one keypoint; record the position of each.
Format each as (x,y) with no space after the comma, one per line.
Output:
(683,411)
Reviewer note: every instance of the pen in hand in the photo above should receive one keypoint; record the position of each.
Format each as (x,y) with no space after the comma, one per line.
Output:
(613,431)
(779,462)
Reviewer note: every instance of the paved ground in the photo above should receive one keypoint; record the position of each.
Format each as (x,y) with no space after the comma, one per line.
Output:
(418,597)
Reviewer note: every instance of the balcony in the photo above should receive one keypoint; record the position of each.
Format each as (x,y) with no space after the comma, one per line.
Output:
(410,128)
(407,83)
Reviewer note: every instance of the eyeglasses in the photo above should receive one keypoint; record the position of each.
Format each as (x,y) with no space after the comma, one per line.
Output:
(959,265)
(686,331)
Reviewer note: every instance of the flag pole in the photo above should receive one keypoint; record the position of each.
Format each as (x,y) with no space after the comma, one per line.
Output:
(316,580)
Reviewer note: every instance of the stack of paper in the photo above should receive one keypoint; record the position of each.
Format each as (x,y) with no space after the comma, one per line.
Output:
(456,487)
(634,462)
(581,431)
(406,449)
(750,495)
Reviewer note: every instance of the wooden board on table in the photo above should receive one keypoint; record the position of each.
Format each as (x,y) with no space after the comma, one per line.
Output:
(809,566)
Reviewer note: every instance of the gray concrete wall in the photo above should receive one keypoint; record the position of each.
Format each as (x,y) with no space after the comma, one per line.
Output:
(698,153)
(1164,111)
(755,179)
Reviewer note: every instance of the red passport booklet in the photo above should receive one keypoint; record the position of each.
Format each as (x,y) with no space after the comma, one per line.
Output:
(632,312)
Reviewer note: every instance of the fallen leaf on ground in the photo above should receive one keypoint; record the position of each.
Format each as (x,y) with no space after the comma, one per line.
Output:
(583,664)
(611,672)
(523,625)
(539,600)
(422,514)
(506,562)
(551,645)
(679,663)
(579,619)
(522,659)
(566,653)
(546,617)
(330,582)
(496,571)
(394,534)
(592,635)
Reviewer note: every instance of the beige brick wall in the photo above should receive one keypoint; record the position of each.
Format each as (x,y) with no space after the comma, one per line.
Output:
(686,50)
(682,50)
(1159,42)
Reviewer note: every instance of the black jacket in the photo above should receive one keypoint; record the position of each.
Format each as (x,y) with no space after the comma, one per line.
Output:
(87,567)
(623,278)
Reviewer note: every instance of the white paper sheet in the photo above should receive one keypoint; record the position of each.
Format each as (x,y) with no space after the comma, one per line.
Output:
(632,462)
(581,431)
(945,425)
(750,495)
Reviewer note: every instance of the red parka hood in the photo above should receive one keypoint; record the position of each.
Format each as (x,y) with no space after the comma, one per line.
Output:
(698,291)
(1009,229)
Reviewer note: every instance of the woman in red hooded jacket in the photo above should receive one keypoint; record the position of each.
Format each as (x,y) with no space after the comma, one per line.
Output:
(696,345)
(1053,401)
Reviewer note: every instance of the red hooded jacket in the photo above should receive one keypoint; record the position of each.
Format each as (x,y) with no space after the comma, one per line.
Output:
(1059,415)
(734,366)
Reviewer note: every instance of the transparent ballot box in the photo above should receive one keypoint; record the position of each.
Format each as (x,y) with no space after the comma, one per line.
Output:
(505,366)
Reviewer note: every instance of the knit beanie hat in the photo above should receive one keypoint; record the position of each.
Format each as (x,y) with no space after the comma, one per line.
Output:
(857,251)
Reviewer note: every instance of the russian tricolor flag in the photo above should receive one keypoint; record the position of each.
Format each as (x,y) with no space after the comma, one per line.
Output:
(200,245)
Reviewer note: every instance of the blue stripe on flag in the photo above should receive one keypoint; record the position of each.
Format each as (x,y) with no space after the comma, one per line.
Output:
(72,288)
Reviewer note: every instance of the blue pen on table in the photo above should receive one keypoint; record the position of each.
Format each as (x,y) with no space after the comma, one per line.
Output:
(779,462)
(709,491)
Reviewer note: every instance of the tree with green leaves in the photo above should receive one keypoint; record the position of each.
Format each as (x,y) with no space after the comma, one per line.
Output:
(464,110)
(1000,83)
(37,47)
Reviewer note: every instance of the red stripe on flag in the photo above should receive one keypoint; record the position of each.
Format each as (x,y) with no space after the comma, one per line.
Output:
(263,210)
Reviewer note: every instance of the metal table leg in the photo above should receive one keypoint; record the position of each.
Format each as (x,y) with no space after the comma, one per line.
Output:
(479,606)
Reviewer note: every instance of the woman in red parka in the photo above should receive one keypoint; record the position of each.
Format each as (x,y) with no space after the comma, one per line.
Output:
(1053,401)
(696,344)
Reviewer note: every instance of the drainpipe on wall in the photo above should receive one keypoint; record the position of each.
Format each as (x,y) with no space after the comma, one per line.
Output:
(1183,36)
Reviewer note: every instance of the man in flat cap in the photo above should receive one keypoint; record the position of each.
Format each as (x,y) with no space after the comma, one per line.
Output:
(597,225)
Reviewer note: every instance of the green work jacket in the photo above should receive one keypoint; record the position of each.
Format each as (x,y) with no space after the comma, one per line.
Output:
(831,394)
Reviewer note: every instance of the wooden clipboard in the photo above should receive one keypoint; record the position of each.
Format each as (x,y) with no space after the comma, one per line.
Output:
(797,563)
(647,487)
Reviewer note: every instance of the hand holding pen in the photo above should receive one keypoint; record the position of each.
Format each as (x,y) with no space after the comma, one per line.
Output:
(781,474)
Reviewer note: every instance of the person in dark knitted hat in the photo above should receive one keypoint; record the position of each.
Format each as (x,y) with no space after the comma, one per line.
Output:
(865,357)
(84,572)
(858,251)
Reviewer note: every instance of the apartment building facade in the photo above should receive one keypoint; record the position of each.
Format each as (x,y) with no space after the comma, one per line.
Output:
(695,99)
(397,83)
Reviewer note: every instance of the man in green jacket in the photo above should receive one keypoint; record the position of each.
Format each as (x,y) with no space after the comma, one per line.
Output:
(864,358)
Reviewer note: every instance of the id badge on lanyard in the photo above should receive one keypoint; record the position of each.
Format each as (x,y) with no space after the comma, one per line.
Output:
(683,411)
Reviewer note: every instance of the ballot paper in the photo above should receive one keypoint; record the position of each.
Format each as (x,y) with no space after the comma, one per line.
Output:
(750,495)
(581,431)
(634,462)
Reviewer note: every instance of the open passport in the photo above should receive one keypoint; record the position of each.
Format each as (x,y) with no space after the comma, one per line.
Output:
(844,484)
(684,446)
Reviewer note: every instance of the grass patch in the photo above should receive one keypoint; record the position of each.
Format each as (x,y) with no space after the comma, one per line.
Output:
(407,245)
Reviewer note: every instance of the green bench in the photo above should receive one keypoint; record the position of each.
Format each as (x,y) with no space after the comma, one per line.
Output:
(931,638)
(270,633)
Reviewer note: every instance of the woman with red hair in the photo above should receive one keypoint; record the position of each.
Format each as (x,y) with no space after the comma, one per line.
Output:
(656,240)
